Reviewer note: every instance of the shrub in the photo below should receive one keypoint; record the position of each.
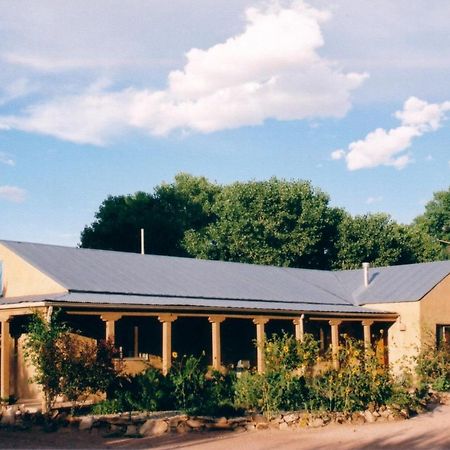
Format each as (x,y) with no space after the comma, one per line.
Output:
(283,385)
(64,365)
(433,367)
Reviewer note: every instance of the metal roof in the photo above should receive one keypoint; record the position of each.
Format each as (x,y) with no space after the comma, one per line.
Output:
(147,278)
(120,300)
(405,283)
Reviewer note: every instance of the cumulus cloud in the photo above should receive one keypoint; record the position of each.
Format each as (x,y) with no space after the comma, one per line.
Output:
(387,147)
(12,194)
(270,70)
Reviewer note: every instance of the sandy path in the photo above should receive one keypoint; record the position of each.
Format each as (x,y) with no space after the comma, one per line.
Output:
(428,431)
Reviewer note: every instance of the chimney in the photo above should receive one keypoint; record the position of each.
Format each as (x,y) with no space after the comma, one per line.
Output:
(365,266)
(142,241)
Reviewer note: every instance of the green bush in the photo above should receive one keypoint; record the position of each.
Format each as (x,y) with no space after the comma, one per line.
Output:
(433,367)
(188,387)
(63,364)
(283,385)
(292,380)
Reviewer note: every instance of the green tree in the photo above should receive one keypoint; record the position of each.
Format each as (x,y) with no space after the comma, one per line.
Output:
(378,239)
(165,215)
(436,220)
(41,349)
(275,222)
(64,365)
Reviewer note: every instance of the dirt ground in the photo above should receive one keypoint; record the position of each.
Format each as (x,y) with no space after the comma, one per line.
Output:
(427,431)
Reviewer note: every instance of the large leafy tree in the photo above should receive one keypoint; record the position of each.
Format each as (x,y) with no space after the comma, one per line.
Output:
(276,222)
(436,220)
(378,239)
(165,215)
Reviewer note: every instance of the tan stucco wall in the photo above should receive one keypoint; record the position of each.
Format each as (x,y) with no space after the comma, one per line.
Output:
(435,310)
(21,278)
(404,336)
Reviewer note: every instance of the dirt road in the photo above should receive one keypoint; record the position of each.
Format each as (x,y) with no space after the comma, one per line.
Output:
(427,431)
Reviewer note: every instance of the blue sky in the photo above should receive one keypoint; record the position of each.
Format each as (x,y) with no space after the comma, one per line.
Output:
(107,97)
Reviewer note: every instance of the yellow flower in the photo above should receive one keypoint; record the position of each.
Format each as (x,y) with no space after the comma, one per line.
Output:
(174,355)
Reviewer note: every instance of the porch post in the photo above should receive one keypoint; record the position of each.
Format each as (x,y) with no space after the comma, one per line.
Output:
(166,321)
(110,322)
(334,323)
(5,357)
(299,327)
(260,336)
(215,322)
(367,340)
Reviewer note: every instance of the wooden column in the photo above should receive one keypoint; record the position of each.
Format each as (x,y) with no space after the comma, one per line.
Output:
(367,339)
(136,341)
(260,337)
(5,357)
(110,321)
(215,322)
(334,323)
(166,321)
(299,327)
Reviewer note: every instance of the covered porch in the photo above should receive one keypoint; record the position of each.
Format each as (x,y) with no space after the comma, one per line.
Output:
(150,337)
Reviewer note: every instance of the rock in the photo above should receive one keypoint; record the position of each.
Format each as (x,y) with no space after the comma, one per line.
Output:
(221,421)
(358,418)
(86,423)
(262,426)
(316,422)
(369,417)
(131,430)
(8,416)
(182,428)
(258,418)
(175,420)
(154,427)
(195,423)
(236,421)
(288,418)
(283,426)
(250,427)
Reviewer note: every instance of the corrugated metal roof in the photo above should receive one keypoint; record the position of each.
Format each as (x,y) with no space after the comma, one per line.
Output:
(130,273)
(405,283)
(189,303)
(212,282)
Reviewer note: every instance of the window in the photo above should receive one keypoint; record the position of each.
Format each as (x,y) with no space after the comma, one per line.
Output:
(443,334)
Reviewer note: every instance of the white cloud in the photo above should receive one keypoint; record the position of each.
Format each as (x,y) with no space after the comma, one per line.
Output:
(12,194)
(16,89)
(387,147)
(271,70)
(6,159)
(372,200)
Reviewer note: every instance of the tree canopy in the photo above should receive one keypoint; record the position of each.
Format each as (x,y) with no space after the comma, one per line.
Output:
(165,215)
(276,222)
(435,221)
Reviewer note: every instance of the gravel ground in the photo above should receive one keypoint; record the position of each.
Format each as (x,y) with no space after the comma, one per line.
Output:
(427,431)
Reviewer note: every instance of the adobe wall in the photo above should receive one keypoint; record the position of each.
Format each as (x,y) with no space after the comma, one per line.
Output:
(435,310)
(20,278)
(404,336)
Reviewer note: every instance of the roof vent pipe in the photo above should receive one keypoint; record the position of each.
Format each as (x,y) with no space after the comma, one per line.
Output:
(365,266)
(142,241)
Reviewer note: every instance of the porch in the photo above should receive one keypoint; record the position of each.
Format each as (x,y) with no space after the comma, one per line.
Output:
(155,338)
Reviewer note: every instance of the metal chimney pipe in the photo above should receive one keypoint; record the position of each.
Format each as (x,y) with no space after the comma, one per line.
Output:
(365,266)
(142,242)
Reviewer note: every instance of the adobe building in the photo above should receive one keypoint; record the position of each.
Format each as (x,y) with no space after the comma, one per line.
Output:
(157,307)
